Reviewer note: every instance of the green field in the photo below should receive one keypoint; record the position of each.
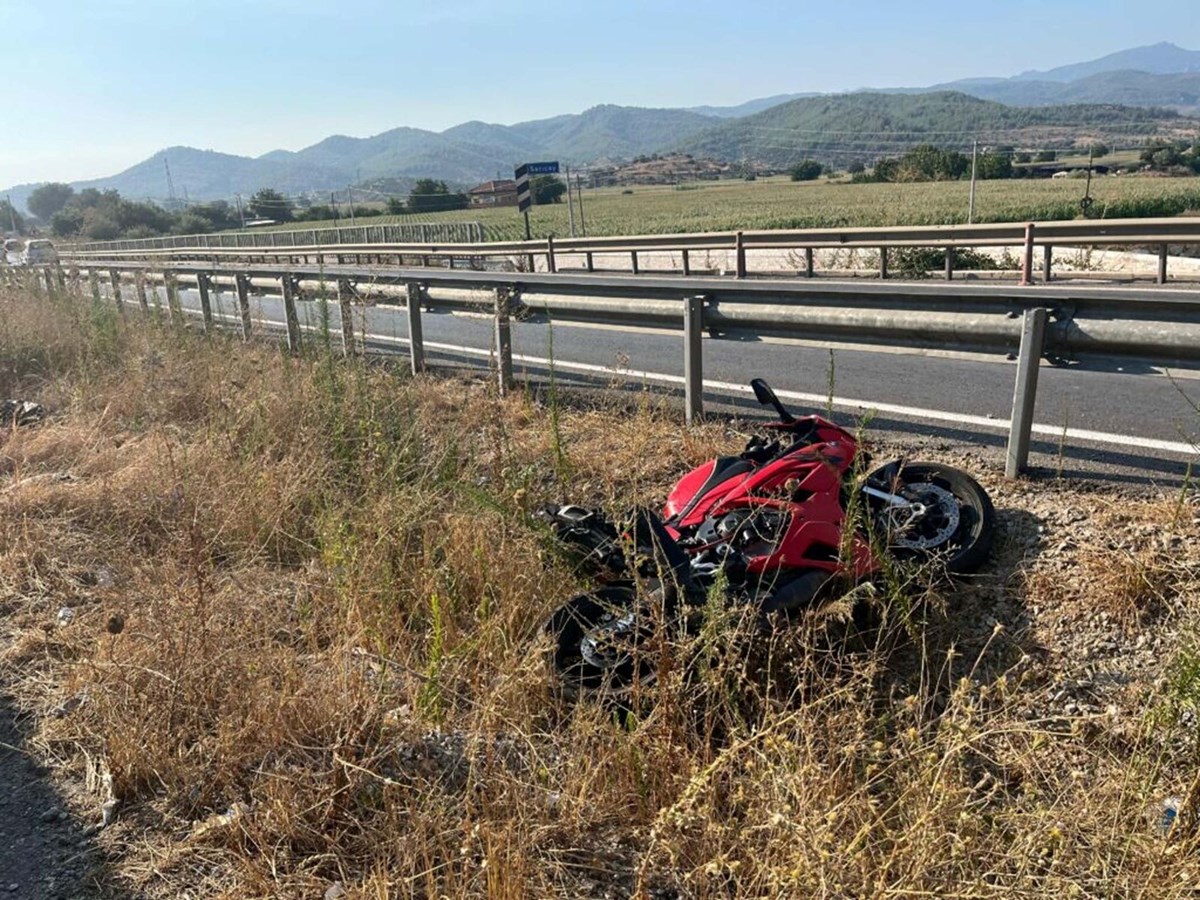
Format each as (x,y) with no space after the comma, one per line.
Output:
(779,203)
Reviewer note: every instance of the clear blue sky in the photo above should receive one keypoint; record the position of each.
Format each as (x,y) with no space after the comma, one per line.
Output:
(95,86)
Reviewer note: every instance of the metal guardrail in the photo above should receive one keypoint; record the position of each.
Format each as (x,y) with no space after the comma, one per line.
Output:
(388,232)
(1160,233)
(1032,321)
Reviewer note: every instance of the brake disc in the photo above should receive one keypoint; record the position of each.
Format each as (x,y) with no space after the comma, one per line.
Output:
(935,526)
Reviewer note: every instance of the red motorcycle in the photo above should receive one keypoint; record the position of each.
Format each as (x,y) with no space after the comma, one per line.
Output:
(770,525)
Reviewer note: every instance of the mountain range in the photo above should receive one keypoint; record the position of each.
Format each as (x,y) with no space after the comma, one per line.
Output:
(770,130)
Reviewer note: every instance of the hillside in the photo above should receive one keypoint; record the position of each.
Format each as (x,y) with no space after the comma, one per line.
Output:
(841,128)
(467,153)
(1178,91)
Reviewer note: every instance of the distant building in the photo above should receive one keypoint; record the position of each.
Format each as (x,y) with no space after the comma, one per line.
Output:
(494,193)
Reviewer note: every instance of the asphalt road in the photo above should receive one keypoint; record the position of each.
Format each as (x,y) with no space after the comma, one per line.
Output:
(1123,421)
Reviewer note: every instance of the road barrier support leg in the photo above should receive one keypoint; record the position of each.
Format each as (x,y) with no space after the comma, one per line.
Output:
(551,262)
(295,342)
(504,364)
(1162,264)
(693,359)
(809,268)
(1027,265)
(591,263)
(949,263)
(883,263)
(1033,342)
(346,314)
(687,262)
(204,285)
(139,285)
(114,278)
(633,259)
(1047,263)
(242,285)
(739,254)
(416,339)
(173,306)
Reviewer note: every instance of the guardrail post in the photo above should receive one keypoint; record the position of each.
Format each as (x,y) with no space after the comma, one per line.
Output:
(504,365)
(62,278)
(633,258)
(1047,263)
(114,277)
(809,268)
(203,284)
(295,342)
(173,306)
(76,281)
(687,262)
(949,263)
(739,256)
(242,285)
(883,262)
(591,265)
(693,359)
(139,285)
(1027,266)
(551,263)
(346,314)
(94,284)
(416,339)
(1162,264)
(1033,342)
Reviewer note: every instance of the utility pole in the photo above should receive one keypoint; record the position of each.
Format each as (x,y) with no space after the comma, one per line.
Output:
(350,196)
(579,188)
(570,203)
(974,167)
(334,206)
(241,214)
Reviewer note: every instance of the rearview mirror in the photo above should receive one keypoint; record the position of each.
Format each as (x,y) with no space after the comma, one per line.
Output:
(764,395)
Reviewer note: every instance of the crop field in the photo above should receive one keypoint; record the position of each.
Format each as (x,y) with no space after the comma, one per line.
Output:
(279,618)
(776,203)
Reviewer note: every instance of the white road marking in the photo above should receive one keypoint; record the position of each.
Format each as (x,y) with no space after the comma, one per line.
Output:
(913,412)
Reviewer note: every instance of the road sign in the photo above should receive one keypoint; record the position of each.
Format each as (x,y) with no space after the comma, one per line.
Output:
(523,171)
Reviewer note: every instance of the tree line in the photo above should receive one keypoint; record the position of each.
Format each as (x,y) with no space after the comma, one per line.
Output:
(103,215)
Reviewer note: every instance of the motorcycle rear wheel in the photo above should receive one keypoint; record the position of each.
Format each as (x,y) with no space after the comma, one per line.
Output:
(963,544)
(599,642)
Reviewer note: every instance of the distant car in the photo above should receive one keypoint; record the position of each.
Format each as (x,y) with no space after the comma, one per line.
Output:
(12,251)
(39,253)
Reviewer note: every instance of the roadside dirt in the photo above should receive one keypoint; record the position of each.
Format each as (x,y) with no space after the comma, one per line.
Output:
(44,854)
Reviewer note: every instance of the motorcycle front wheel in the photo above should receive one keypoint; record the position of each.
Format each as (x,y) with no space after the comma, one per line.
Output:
(957,523)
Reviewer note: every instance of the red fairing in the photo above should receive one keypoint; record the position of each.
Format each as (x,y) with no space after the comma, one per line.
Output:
(805,483)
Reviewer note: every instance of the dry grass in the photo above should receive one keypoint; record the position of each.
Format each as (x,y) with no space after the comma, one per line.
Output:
(305,647)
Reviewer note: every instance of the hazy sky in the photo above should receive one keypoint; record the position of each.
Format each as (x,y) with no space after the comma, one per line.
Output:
(94,87)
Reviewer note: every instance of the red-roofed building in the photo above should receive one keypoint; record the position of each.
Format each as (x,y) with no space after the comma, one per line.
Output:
(494,193)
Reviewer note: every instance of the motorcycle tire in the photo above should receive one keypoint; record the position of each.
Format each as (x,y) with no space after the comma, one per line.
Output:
(598,643)
(964,548)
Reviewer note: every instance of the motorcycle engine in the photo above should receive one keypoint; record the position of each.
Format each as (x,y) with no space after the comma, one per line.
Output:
(752,532)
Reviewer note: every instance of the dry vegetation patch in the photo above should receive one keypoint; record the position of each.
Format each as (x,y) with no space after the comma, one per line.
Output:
(285,613)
